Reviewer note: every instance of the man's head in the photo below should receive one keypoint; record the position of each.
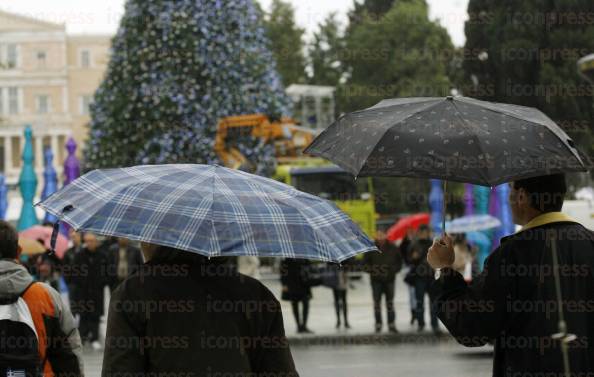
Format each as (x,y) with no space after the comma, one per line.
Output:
(9,241)
(380,235)
(90,241)
(424,232)
(74,237)
(123,242)
(531,197)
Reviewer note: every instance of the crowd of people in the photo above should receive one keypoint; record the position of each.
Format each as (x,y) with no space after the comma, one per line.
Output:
(408,255)
(90,265)
(83,273)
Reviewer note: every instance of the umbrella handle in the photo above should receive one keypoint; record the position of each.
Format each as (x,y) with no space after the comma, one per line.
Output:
(54,238)
(445,200)
(56,231)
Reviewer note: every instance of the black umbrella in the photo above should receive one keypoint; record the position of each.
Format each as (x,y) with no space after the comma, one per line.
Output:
(455,138)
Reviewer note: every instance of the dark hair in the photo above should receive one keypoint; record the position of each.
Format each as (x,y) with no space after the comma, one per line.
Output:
(9,240)
(423,227)
(546,193)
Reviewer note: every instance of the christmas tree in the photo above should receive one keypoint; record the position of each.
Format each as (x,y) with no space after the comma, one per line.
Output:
(177,67)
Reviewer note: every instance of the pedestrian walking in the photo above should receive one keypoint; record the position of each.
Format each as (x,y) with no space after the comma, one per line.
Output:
(206,320)
(382,267)
(123,259)
(422,278)
(296,289)
(537,281)
(88,280)
(38,332)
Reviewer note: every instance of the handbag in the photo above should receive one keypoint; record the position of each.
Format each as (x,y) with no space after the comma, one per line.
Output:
(410,277)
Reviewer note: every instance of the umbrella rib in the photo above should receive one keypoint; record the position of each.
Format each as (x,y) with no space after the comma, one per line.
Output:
(477,139)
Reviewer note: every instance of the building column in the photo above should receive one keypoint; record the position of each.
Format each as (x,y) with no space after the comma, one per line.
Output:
(39,152)
(7,154)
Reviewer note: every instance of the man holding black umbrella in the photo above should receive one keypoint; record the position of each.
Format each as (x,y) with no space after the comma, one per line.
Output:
(515,301)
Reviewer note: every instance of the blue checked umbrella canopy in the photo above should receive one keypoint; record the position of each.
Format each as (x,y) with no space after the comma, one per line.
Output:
(210,210)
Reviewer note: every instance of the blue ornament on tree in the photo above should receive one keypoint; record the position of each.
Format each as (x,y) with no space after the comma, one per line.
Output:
(50,186)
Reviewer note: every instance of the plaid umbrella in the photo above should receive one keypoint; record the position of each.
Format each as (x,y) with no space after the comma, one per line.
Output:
(210,210)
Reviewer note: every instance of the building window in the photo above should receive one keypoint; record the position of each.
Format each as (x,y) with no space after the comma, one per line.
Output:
(13,100)
(41,59)
(43,105)
(85,103)
(85,58)
(12,57)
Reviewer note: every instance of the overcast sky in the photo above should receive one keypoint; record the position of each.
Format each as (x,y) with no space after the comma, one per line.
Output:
(102,16)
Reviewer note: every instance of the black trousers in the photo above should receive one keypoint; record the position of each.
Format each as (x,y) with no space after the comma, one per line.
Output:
(301,321)
(422,287)
(381,288)
(88,327)
(340,302)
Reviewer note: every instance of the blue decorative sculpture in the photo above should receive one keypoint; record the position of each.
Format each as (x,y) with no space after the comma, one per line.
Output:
(481,207)
(71,172)
(503,214)
(28,184)
(3,197)
(468,199)
(71,164)
(50,182)
(436,205)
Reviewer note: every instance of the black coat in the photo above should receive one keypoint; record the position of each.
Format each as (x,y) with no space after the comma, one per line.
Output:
(513,302)
(292,277)
(88,279)
(191,317)
(420,268)
(133,256)
(383,265)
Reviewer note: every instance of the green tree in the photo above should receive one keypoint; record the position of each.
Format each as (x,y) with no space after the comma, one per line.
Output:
(179,66)
(368,9)
(400,55)
(526,54)
(325,53)
(286,42)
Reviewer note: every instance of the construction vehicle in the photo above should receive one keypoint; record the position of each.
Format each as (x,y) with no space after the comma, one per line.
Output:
(312,175)
(289,139)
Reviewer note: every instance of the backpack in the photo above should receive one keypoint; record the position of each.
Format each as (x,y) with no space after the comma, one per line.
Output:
(19,342)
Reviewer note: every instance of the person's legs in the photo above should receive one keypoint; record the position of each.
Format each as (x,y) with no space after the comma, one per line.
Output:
(94,328)
(412,301)
(295,307)
(433,294)
(336,294)
(83,327)
(389,289)
(420,297)
(376,290)
(305,303)
(344,308)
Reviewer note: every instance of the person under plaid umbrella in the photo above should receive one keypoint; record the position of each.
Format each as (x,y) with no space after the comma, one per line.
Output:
(215,320)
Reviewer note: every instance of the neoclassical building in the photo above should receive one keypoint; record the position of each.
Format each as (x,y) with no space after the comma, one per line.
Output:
(47,80)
